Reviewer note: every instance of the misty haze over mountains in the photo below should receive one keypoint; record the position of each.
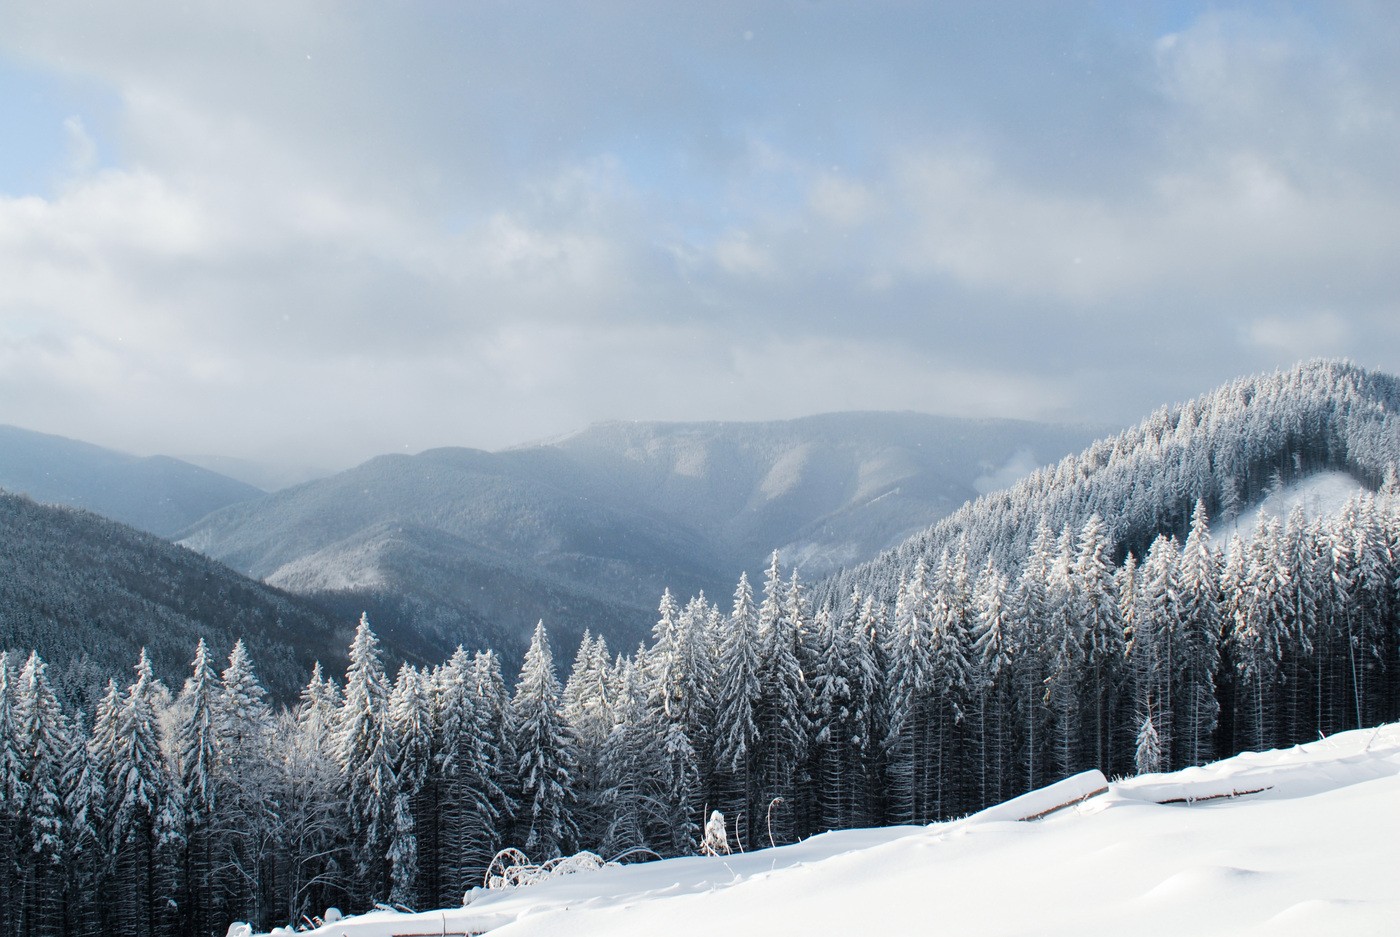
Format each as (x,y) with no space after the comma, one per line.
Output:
(583,531)
(157,494)
(586,531)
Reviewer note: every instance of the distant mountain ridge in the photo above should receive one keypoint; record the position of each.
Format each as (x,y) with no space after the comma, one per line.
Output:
(824,490)
(585,531)
(157,494)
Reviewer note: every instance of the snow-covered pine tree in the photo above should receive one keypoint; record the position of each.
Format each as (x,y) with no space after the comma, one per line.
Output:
(682,662)
(1259,635)
(139,790)
(738,739)
(906,745)
(83,847)
(367,755)
(952,684)
(43,739)
(588,709)
(1065,665)
(415,802)
(992,652)
(627,764)
(452,721)
(1370,584)
(1147,758)
(677,793)
(1156,641)
(470,762)
(1308,581)
(836,766)
(13,796)
(869,695)
(1026,616)
(197,759)
(699,627)
(403,854)
(781,709)
(312,812)
(1197,709)
(496,750)
(245,822)
(545,757)
(1100,614)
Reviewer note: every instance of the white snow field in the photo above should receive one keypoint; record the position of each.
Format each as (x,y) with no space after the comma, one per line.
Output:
(1315,851)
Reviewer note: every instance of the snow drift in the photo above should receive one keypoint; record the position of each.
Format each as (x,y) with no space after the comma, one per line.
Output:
(1294,841)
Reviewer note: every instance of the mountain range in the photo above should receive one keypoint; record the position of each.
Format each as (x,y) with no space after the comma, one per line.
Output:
(157,494)
(586,531)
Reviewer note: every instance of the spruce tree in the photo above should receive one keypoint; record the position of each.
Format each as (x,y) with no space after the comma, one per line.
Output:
(1197,709)
(545,756)
(781,709)
(738,739)
(43,739)
(198,762)
(415,801)
(367,756)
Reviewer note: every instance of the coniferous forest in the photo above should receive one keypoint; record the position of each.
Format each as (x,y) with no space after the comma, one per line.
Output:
(982,672)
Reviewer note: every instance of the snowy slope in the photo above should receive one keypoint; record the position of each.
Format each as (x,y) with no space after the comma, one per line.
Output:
(1312,852)
(1320,495)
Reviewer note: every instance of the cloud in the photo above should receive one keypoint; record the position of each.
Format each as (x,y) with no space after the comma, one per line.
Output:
(340,228)
(82,149)
(1324,333)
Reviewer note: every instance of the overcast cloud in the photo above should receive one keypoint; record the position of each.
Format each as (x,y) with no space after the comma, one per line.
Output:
(313,232)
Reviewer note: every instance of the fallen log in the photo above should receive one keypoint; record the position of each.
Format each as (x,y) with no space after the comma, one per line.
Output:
(1067,804)
(1044,801)
(1225,796)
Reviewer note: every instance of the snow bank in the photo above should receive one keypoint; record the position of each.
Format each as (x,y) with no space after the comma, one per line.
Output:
(1313,851)
(1038,804)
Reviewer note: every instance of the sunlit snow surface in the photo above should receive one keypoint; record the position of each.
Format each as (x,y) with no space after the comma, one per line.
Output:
(1320,495)
(1317,851)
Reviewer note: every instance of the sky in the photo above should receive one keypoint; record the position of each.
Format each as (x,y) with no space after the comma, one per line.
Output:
(317,231)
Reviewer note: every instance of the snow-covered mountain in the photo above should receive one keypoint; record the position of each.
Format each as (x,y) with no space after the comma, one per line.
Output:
(88,593)
(156,494)
(586,531)
(1305,846)
(1229,449)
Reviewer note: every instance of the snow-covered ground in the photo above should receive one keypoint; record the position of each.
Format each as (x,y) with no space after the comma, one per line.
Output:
(1315,851)
(1320,495)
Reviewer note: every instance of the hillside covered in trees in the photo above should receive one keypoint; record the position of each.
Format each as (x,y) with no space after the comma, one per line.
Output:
(89,593)
(1226,449)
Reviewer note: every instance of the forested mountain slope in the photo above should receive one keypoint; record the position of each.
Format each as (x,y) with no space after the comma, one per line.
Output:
(1228,449)
(586,531)
(87,593)
(157,494)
